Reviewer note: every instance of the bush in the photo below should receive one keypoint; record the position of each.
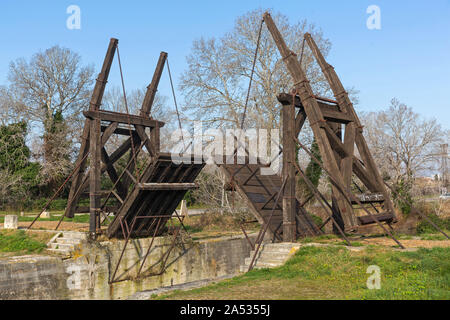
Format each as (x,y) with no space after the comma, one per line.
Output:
(317,220)
(424,227)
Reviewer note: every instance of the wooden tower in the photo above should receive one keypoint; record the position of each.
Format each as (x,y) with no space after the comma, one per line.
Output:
(327,119)
(100,125)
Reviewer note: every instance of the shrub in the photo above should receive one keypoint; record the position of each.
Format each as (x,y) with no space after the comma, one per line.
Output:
(424,227)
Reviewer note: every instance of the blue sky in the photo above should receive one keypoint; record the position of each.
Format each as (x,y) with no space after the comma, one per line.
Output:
(408,58)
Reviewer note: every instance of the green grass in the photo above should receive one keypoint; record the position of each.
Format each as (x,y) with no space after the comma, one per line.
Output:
(19,241)
(336,273)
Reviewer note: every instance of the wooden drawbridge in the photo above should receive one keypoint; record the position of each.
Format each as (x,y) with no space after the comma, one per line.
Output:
(161,188)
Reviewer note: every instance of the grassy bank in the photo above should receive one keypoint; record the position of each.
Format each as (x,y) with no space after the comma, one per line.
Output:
(21,242)
(336,273)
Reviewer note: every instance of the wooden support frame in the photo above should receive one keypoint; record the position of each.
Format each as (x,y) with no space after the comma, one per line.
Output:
(288,174)
(100,125)
(326,118)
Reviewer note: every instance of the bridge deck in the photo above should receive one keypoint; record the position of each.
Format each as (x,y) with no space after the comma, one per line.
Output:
(153,198)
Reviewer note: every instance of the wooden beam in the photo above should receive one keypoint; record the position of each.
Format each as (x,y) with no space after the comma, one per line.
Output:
(113,174)
(299,121)
(330,112)
(122,118)
(288,175)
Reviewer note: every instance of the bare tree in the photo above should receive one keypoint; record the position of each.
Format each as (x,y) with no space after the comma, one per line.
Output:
(52,81)
(50,91)
(402,142)
(215,84)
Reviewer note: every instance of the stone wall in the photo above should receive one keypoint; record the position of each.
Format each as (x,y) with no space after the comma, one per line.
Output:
(88,273)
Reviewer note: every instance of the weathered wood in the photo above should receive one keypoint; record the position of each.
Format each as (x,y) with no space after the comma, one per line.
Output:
(93,141)
(95,103)
(299,121)
(370,198)
(151,89)
(382,217)
(313,112)
(288,174)
(260,193)
(94,176)
(161,187)
(148,144)
(330,112)
(345,103)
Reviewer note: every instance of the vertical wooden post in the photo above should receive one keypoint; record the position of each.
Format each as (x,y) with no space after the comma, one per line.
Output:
(97,95)
(95,142)
(289,200)
(335,195)
(94,175)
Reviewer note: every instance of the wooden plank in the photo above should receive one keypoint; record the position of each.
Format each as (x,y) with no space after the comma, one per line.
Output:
(299,121)
(288,174)
(386,217)
(148,145)
(347,160)
(335,141)
(107,133)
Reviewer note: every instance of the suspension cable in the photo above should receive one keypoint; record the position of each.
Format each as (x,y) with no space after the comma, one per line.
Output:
(251,74)
(303,48)
(128,117)
(175,102)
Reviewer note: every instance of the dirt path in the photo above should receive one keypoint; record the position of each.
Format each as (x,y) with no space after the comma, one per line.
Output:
(410,243)
(51,225)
